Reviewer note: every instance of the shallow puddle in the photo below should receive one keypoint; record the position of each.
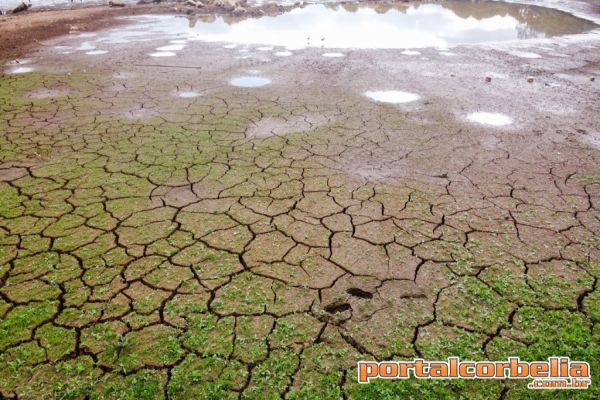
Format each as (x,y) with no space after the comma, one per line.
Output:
(392,96)
(250,81)
(171,47)
(96,52)
(163,54)
(524,54)
(412,25)
(493,119)
(20,70)
(188,94)
(86,46)
(47,93)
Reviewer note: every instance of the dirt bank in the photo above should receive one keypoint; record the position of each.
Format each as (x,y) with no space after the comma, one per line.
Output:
(19,33)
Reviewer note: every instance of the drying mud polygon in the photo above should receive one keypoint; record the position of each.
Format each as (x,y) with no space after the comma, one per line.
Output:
(256,242)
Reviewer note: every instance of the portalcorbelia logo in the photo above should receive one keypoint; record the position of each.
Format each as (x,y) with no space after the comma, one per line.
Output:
(555,373)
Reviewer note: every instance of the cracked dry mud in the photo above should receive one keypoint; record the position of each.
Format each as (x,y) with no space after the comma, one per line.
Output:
(255,243)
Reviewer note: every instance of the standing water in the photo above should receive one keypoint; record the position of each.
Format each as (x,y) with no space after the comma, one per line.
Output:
(353,25)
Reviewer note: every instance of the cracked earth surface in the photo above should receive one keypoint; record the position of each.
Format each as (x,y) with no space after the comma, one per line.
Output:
(255,243)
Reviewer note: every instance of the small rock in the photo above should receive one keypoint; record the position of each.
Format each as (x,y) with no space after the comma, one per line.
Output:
(227,5)
(593,78)
(239,10)
(530,79)
(488,79)
(20,8)
(116,3)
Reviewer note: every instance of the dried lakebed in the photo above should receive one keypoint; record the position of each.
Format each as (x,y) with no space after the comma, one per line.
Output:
(226,222)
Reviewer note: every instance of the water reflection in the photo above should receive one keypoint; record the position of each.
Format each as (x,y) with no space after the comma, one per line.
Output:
(405,25)
(352,25)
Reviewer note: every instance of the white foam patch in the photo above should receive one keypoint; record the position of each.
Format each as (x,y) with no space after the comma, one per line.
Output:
(283,53)
(230,46)
(493,119)
(96,52)
(163,54)
(178,41)
(524,54)
(333,55)
(264,48)
(411,53)
(392,96)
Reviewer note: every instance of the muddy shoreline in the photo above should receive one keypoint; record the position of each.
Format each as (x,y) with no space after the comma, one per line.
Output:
(21,33)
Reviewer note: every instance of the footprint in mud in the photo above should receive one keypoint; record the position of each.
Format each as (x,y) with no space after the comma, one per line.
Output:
(357,292)
(337,307)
